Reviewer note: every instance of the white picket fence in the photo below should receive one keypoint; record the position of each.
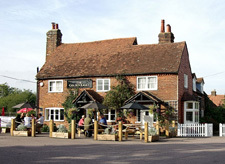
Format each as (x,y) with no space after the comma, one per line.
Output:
(222,130)
(195,130)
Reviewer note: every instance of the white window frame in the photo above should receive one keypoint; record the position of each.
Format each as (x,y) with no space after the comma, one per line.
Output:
(195,104)
(54,89)
(194,84)
(185,81)
(147,82)
(109,115)
(103,82)
(54,114)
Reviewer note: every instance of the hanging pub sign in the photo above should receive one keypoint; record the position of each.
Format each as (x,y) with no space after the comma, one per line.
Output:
(81,83)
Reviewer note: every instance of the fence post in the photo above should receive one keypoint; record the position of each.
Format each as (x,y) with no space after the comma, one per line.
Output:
(95,130)
(220,131)
(167,128)
(73,129)
(51,127)
(0,126)
(146,132)
(120,131)
(13,126)
(157,127)
(33,128)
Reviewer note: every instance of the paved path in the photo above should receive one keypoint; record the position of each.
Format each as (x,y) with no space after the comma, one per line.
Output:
(42,149)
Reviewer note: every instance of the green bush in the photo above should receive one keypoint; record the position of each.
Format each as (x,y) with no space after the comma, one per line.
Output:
(45,128)
(21,127)
(62,128)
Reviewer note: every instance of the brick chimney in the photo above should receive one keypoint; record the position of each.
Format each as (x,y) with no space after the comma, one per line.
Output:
(54,39)
(165,37)
(213,93)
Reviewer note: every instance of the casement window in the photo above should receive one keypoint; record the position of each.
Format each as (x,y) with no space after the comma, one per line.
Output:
(55,86)
(185,81)
(110,115)
(194,84)
(56,114)
(191,112)
(103,85)
(147,83)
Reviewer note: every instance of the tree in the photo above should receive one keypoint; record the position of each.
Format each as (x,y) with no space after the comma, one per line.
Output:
(13,96)
(116,97)
(70,110)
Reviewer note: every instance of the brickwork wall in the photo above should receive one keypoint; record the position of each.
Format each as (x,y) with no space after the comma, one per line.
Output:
(184,69)
(167,90)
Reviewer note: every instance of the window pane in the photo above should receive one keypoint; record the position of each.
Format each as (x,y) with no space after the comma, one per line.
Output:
(52,114)
(58,86)
(196,105)
(100,85)
(57,114)
(46,114)
(189,105)
(113,111)
(189,116)
(51,87)
(147,113)
(61,114)
(106,116)
(196,117)
(106,85)
(141,82)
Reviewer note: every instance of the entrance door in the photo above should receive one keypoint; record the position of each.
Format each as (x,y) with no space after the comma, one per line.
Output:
(146,117)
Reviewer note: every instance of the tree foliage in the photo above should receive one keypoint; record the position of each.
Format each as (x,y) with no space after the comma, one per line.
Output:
(70,110)
(116,97)
(13,96)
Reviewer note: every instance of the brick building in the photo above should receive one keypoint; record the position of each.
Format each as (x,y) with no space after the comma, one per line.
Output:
(161,74)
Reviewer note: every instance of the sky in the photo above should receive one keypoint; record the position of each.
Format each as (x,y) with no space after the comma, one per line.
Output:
(24,23)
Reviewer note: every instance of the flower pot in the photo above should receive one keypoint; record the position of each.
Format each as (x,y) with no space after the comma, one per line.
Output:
(21,133)
(61,135)
(107,137)
(153,138)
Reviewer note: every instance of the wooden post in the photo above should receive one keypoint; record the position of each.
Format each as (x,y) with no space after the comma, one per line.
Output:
(157,127)
(51,127)
(73,129)
(146,132)
(95,130)
(167,128)
(13,126)
(33,128)
(120,131)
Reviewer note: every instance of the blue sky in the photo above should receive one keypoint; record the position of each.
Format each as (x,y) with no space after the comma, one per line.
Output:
(24,23)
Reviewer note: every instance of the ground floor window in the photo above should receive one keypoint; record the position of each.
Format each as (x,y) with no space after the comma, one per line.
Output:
(191,112)
(110,115)
(56,114)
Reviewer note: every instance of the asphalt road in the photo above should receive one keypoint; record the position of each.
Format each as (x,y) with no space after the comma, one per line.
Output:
(42,149)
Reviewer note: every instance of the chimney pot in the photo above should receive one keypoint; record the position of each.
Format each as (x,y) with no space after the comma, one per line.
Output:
(162,26)
(213,93)
(168,28)
(53,25)
(56,26)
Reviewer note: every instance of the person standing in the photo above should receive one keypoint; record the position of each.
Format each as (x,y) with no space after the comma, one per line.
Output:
(81,123)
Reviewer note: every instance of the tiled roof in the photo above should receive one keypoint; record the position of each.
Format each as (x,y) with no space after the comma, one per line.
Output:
(218,100)
(112,57)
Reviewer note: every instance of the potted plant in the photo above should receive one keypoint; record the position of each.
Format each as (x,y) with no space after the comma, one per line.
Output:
(21,130)
(152,134)
(109,134)
(62,132)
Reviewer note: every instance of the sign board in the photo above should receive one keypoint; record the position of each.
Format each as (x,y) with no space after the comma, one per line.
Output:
(81,83)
